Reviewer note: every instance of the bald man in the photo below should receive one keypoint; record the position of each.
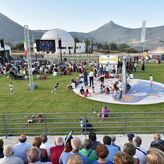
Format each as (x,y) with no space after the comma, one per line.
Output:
(20,149)
(56,151)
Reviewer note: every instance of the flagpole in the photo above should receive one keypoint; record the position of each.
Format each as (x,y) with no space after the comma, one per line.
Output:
(27,45)
(143,33)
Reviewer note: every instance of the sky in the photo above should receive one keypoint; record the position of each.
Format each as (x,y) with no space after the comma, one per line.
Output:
(83,15)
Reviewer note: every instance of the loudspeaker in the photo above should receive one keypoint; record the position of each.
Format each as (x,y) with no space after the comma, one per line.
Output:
(2,44)
(60,43)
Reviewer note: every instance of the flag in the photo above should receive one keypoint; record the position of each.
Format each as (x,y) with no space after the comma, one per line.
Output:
(25,50)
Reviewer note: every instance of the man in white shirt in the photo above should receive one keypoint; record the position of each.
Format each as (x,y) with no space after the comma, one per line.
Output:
(91,76)
(140,152)
(45,144)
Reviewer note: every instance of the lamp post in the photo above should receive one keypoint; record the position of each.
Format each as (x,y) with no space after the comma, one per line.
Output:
(60,47)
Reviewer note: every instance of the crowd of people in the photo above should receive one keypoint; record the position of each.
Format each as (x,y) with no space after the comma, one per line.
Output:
(72,150)
(18,69)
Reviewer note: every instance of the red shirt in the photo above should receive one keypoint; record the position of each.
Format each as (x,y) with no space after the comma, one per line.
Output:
(55,153)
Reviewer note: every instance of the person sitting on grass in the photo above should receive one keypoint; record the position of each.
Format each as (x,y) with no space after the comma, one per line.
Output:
(31,119)
(40,117)
(72,84)
(86,125)
(105,112)
(44,76)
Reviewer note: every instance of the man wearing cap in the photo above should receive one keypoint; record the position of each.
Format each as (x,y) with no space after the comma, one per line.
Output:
(20,149)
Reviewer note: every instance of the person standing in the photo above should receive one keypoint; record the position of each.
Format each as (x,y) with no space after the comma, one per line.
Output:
(91,77)
(85,74)
(11,88)
(55,88)
(151,80)
(143,66)
(135,67)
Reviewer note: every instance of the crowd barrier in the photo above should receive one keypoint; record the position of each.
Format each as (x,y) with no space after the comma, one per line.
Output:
(14,124)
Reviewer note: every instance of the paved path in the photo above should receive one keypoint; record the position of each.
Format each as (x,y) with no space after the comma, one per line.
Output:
(120,139)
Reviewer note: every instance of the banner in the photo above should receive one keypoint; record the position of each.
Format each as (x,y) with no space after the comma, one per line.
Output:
(108,59)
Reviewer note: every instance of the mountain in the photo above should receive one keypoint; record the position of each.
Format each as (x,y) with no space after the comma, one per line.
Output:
(112,32)
(13,33)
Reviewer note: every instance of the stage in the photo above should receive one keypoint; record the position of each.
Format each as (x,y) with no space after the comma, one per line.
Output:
(140,93)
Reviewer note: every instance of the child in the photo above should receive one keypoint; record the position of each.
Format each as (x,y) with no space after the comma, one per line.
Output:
(55,88)
(82,91)
(11,88)
(151,80)
(87,93)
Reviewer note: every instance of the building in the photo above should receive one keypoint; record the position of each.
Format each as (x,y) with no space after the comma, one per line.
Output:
(67,42)
(80,47)
(5,53)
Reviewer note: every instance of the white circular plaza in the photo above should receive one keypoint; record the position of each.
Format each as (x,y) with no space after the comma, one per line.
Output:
(140,93)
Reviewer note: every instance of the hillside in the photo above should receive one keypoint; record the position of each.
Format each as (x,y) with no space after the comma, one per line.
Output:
(13,32)
(112,32)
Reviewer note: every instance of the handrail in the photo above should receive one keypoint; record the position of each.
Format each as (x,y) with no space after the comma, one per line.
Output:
(62,123)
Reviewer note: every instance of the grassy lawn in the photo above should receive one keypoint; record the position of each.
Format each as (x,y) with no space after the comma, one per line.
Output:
(41,99)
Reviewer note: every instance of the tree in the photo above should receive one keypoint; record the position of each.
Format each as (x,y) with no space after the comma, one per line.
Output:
(76,40)
(19,47)
(123,47)
(113,46)
(87,42)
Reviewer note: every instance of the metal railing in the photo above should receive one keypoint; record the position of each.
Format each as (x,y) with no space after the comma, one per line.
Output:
(61,123)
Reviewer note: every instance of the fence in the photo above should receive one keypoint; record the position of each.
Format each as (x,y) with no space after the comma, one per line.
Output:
(61,123)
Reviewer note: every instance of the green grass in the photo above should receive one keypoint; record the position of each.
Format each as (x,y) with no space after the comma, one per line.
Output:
(41,99)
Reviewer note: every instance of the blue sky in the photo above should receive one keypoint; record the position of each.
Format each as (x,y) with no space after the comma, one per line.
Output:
(83,15)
